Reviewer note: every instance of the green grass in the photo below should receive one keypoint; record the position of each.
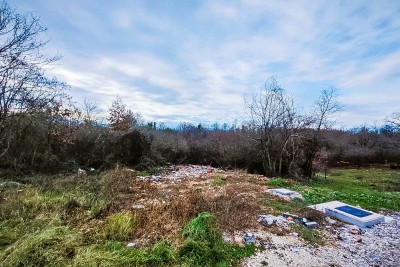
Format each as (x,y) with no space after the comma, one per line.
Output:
(218,181)
(373,189)
(277,182)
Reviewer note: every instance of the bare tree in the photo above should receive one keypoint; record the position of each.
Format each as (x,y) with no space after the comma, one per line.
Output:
(273,116)
(23,83)
(90,110)
(322,118)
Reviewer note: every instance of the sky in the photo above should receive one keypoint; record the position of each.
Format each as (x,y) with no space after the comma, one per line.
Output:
(195,61)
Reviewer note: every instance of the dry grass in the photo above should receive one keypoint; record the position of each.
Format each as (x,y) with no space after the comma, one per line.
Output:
(169,205)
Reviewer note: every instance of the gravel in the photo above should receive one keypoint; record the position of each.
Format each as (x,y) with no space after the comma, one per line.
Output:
(376,246)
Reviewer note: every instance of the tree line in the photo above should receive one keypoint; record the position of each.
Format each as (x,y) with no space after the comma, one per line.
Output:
(42,130)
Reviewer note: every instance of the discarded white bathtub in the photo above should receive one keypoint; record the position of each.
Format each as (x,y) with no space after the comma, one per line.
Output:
(350,214)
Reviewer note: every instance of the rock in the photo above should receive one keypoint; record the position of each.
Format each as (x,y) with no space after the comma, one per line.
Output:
(358,239)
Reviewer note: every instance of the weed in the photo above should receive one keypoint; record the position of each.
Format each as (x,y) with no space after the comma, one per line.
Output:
(311,236)
(218,181)
(119,226)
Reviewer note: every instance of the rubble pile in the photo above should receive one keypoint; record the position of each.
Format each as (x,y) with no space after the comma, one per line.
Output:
(182,172)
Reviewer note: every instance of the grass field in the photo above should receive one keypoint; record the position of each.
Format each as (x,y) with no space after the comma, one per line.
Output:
(371,188)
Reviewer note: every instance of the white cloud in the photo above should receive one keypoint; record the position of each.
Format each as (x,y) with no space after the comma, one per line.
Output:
(196,61)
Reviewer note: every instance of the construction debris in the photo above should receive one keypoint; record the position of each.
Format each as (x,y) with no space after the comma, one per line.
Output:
(285,193)
(180,172)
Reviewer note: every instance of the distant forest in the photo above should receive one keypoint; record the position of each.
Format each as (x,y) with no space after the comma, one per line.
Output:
(42,130)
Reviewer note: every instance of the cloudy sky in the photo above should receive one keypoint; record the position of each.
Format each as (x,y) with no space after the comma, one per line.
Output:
(193,61)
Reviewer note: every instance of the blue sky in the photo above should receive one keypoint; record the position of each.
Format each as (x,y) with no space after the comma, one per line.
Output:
(193,61)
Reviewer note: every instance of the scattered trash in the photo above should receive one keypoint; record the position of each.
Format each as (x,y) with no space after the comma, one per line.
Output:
(80,171)
(249,238)
(358,239)
(137,207)
(131,245)
(311,224)
(295,234)
(299,220)
(295,249)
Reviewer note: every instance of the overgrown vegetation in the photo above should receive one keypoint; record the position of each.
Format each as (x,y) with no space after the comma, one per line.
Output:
(75,220)
(42,226)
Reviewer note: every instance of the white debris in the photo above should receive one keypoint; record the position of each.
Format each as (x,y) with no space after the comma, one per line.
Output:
(284,193)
